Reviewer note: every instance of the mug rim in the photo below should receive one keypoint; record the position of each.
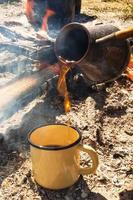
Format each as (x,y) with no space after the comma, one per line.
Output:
(53,148)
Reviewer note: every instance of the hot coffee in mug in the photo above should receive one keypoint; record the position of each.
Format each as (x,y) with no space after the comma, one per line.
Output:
(55,153)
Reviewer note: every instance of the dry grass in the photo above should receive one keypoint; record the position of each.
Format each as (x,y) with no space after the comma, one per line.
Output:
(122,9)
(128,11)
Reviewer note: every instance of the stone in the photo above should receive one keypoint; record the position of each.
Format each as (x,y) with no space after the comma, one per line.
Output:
(67,198)
(84,194)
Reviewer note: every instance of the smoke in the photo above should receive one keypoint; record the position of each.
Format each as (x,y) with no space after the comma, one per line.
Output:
(25,61)
(25,65)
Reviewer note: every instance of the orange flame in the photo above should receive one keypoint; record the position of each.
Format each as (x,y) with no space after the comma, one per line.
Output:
(48,14)
(67,103)
(29,10)
(129,70)
(62,87)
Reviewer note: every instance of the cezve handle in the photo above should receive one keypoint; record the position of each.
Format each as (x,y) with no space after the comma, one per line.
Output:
(94,157)
(122,34)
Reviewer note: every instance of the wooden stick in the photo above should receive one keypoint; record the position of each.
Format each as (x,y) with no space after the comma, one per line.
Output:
(122,34)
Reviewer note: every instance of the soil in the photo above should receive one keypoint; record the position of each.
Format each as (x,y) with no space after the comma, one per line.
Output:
(103,114)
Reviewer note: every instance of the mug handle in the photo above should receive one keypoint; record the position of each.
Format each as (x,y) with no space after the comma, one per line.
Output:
(94,157)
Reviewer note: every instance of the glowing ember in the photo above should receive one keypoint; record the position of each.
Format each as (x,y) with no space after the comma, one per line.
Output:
(129,70)
(130,65)
(62,87)
(29,10)
(48,14)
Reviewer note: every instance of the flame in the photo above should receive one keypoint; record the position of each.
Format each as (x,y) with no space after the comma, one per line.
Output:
(67,103)
(48,14)
(129,70)
(62,87)
(130,65)
(29,10)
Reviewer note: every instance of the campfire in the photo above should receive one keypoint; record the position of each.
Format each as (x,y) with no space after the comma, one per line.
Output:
(73,46)
(36,72)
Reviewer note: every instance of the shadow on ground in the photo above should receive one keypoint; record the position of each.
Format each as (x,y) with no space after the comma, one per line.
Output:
(83,18)
(126,195)
(80,90)
(79,190)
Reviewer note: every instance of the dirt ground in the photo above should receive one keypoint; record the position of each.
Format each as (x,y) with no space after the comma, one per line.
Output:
(102,113)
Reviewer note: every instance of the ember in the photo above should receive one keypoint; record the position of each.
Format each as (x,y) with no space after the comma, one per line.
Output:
(129,70)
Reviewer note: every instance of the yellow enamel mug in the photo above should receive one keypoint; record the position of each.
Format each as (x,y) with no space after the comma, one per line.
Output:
(55,153)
